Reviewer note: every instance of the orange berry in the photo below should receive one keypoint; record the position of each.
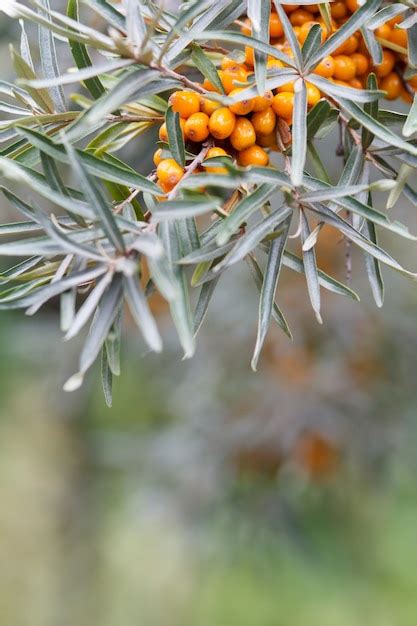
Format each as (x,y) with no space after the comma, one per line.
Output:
(395,20)
(326,67)
(343,83)
(255,155)
(345,68)
(348,47)
(231,75)
(384,31)
(413,82)
(264,121)
(241,108)
(392,85)
(246,29)
(352,5)
(243,135)
(229,61)
(313,94)
(283,104)
(215,152)
(399,37)
(163,133)
(289,8)
(209,86)
(169,173)
(222,123)
(157,157)
(275,26)
(387,65)
(260,103)
(338,9)
(209,106)
(274,63)
(268,141)
(185,103)
(356,83)
(287,87)
(299,17)
(249,56)
(196,127)
(312,8)
(361,62)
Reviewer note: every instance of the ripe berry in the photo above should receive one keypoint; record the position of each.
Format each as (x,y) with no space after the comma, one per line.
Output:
(260,103)
(264,121)
(287,87)
(345,68)
(387,65)
(313,94)
(384,31)
(356,83)
(169,173)
(231,75)
(216,152)
(283,104)
(326,67)
(348,47)
(399,37)
(163,133)
(241,108)
(157,157)
(275,26)
(249,56)
(299,17)
(255,155)
(361,62)
(196,127)
(209,106)
(338,9)
(185,103)
(243,135)
(229,61)
(392,85)
(222,123)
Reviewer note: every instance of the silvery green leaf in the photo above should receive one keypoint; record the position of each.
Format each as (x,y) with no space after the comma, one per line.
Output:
(67,308)
(312,42)
(410,126)
(89,306)
(163,278)
(372,265)
(175,136)
(96,199)
(372,109)
(114,341)
(385,14)
(23,70)
(356,21)
(333,89)
(49,61)
(412,45)
(243,210)
(205,295)
(109,12)
(276,312)
(180,305)
(141,312)
(81,56)
(135,23)
(250,240)
(24,46)
(106,378)
(206,67)
(78,76)
(209,252)
(103,319)
(332,193)
(259,15)
(293,262)
(15,271)
(310,269)
(404,174)
(176,209)
(380,131)
(290,35)
(373,45)
(299,133)
(269,287)
(148,244)
(101,168)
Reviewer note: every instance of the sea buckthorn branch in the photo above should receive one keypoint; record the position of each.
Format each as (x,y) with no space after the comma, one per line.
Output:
(239,158)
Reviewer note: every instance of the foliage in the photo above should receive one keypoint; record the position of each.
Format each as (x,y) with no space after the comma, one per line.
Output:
(117,226)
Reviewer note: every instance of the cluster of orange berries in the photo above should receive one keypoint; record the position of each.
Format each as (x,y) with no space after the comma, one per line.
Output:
(245,130)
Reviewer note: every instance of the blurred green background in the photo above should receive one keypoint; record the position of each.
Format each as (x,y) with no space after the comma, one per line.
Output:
(209,495)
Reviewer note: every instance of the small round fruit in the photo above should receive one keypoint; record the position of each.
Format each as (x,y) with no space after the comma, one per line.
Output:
(260,103)
(352,5)
(209,86)
(399,37)
(229,62)
(299,17)
(313,94)
(326,67)
(275,26)
(338,9)
(356,83)
(243,135)
(222,123)
(246,29)
(209,106)
(361,62)
(249,56)
(233,74)
(387,65)
(255,155)
(264,121)
(157,157)
(273,63)
(384,31)
(392,85)
(185,103)
(268,141)
(163,133)
(215,152)
(196,127)
(240,108)
(348,47)
(169,173)
(345,68)
(283,104)
(287,87)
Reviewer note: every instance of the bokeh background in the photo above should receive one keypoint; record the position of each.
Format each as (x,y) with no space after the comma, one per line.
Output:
(210,495)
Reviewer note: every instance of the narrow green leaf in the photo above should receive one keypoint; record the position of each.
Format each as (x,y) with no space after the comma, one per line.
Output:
(206,67)
(299,133)
(175,136)
(259,15)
